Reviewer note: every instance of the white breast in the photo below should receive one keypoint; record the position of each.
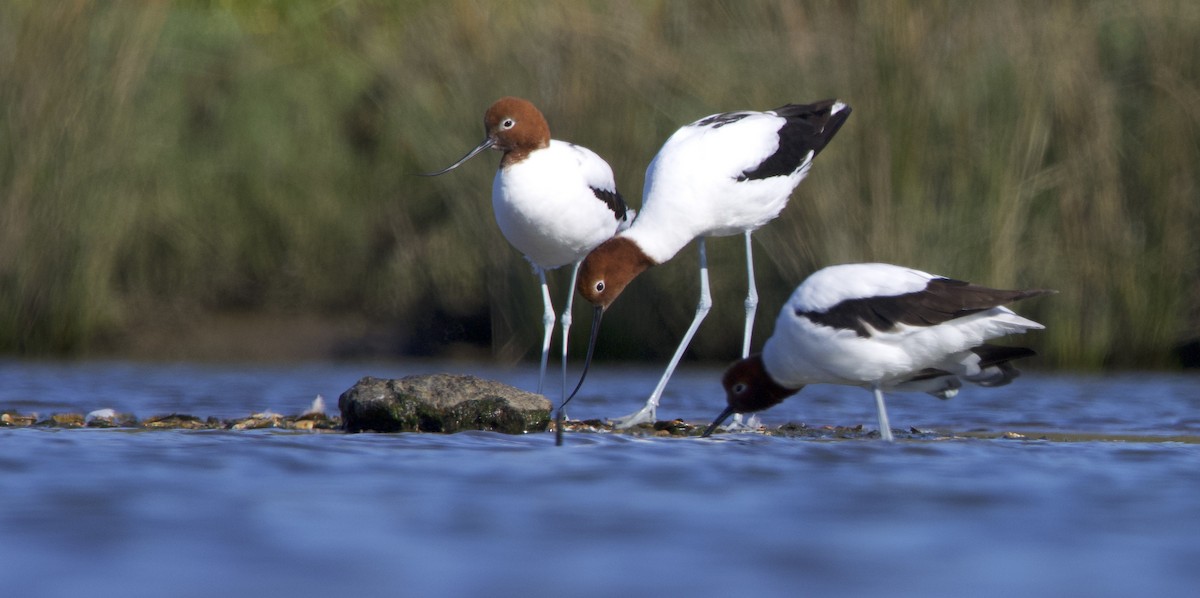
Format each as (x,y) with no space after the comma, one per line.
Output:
(546,208)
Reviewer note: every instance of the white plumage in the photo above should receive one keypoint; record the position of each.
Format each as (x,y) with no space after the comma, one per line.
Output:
(725,174)
(882,327)
(554,201)
(697,187)
(546,204)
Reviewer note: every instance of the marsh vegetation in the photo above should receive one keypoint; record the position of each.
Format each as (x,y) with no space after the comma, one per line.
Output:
(165,161)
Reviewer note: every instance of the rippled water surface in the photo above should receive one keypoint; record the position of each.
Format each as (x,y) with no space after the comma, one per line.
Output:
(270,513)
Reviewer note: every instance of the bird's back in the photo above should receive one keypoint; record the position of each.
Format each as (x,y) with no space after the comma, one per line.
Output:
(868,323)
(732,172)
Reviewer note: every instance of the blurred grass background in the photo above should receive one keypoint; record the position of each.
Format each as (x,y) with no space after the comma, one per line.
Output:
(164,165)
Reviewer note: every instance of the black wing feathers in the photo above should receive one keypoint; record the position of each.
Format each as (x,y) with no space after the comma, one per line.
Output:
(613,200)
(809,128)
(942,300)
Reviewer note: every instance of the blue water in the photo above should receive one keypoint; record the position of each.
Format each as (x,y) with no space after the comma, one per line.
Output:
(272,513)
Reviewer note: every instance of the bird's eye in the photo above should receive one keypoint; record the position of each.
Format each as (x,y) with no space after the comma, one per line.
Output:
(508,123)
(600,286)
(739,388)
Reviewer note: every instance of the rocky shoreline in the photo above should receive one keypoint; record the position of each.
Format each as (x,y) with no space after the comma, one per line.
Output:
(321,423)
(434,403)
(106,418)
(449,403)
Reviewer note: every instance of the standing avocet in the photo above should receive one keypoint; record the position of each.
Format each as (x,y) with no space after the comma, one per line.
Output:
(882,327)
(554,201)
(726,174)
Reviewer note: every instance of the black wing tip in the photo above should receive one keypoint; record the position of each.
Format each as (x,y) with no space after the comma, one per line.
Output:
(1029,293)
(612,198)
(806,130)
(1006,297)
(986,297)
(822,120)
(990,355)
(830,106)
(833,111)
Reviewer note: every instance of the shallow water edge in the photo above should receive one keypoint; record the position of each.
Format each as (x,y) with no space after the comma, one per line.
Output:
(678,428)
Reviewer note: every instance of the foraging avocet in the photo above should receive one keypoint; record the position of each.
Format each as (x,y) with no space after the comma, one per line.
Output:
(725,174)
(554,201)
(882,327)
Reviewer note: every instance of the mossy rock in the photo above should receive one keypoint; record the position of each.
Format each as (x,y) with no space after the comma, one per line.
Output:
(444,403)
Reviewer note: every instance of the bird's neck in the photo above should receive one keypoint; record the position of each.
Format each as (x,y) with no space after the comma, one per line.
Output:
(659,241)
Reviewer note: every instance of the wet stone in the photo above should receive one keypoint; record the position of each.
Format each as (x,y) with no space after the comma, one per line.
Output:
(443,403)
(314,421)
(176,421)
(16,420)
(65,420)
(675,427)
(257,421)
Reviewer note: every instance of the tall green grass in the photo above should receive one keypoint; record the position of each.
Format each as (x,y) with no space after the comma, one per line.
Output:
(160,161)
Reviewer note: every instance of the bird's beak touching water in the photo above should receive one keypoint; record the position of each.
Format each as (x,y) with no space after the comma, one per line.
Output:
(603,275)
(487,143)
(717,422)
(597,314)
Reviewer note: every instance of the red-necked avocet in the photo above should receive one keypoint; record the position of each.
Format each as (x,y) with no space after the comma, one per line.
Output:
(885,328)
(725,174)
(554,201)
